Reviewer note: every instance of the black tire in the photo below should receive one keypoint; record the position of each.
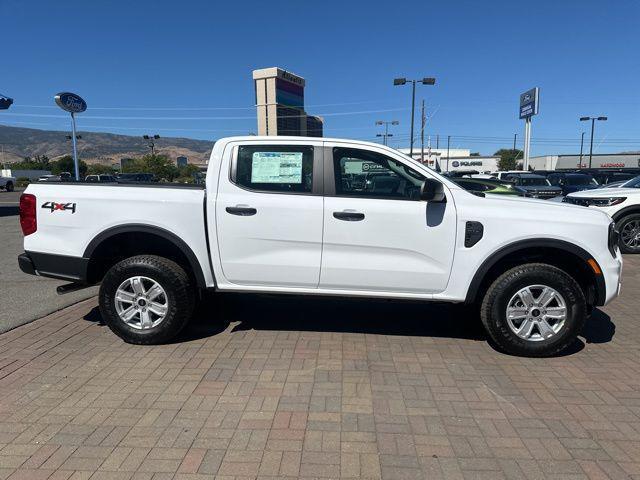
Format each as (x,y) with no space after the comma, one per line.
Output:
(9,186)
(179,297)
(497,297)
(620,226)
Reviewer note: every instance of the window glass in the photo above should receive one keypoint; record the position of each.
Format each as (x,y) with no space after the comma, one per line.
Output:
(473,186)
(363,173)
(534,181)
(275,168)
(579,180)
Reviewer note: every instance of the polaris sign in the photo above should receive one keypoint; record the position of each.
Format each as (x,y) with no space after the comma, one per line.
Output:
(70,102)
(529,103)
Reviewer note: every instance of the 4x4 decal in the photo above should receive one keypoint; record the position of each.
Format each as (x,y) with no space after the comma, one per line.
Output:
(53,206)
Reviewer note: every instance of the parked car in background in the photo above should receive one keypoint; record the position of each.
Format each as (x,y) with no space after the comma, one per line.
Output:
(572,182)
(8,183)
(49,178)
(135,178)
(633,183)
(607,176)
(622,205)
(534,186)
(483,185)
(102,178)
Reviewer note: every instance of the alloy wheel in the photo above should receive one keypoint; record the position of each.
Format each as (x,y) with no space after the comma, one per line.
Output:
(141,302)
(536,313)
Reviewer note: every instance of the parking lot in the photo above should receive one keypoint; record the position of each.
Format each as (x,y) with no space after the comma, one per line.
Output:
(295,387)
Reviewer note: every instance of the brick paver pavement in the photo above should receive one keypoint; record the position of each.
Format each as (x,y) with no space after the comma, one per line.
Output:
(291,387)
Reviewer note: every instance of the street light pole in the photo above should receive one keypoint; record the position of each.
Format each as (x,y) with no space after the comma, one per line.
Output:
(581,145)
(403,81)
(152,144)
(385,136)
(593,124)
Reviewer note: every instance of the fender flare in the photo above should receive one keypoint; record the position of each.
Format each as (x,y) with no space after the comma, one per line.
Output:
(495,257)
(160,232)
(625,211)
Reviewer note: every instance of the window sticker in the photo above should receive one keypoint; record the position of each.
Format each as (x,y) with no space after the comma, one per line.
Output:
(276,167)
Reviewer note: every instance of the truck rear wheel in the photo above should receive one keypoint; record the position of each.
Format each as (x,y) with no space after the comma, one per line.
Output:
(146,299)
(534,310)
(9,186)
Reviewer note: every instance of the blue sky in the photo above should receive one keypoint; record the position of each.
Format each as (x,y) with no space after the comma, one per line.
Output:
(184,68)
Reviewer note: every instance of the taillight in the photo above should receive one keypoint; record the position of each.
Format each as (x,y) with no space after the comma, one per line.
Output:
(28,221)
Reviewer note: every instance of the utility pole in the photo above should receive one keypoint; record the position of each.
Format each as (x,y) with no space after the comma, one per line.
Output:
(448,144)
(515,137)
(437,141)
(424,119)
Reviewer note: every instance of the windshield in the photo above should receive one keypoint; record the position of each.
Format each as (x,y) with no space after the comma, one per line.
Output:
(534,182)
(633,183)
(581,180)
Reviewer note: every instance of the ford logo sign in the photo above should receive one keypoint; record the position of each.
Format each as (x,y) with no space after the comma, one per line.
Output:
(70,102)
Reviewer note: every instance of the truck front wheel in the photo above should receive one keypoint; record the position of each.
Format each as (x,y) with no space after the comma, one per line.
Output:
(146,299)
(534,310)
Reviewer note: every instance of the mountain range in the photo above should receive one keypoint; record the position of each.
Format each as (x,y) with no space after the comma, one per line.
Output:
(16,143)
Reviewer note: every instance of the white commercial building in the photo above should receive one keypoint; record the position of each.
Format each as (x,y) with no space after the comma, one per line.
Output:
(600,160)
(458,159)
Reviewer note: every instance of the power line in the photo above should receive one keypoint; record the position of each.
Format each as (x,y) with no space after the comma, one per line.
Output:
(99,117)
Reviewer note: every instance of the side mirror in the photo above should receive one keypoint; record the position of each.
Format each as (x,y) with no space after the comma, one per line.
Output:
(432,191)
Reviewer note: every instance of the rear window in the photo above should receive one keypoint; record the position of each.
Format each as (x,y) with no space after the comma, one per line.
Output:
(580,180)
(277,168)
(534,182)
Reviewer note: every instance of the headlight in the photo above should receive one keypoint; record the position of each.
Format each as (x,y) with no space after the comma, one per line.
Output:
(605,202)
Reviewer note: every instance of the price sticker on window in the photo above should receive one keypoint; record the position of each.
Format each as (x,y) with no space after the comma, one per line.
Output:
(276,167)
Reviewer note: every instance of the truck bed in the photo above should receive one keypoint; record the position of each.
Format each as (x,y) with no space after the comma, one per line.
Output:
(70,215)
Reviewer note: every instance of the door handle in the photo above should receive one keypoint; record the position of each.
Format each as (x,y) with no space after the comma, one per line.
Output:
(349,216)
(241,211)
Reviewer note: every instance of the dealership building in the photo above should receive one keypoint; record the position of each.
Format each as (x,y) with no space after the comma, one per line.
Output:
(280,104)
(452,159)
(600,160)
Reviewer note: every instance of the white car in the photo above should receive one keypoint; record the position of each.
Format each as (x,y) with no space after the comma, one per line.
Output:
(622,204)
(8,183)
(320,216)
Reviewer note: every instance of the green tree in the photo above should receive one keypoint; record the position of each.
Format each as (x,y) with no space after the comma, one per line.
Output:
(65,164)
(100,169)
(160,165)
(508,158)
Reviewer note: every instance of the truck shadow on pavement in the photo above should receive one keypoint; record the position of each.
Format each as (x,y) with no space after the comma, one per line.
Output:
(217,312)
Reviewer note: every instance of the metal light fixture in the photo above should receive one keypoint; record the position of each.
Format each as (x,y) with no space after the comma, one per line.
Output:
(593,122)
(403,81)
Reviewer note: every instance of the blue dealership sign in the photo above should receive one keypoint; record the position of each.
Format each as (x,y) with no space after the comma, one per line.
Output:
(70,102)
(529,103)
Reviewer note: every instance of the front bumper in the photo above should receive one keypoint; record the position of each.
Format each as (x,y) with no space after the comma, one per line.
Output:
(73,269)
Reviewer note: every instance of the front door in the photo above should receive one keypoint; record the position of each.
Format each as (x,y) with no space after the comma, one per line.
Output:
(269,212)
(378,234)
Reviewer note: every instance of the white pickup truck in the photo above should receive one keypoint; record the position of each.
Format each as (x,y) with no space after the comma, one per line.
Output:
(321,216)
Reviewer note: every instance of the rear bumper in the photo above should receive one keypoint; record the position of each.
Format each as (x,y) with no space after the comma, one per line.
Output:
(73,269)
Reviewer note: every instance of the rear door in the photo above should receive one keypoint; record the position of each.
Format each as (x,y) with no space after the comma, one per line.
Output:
(378,234)
(269,212)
